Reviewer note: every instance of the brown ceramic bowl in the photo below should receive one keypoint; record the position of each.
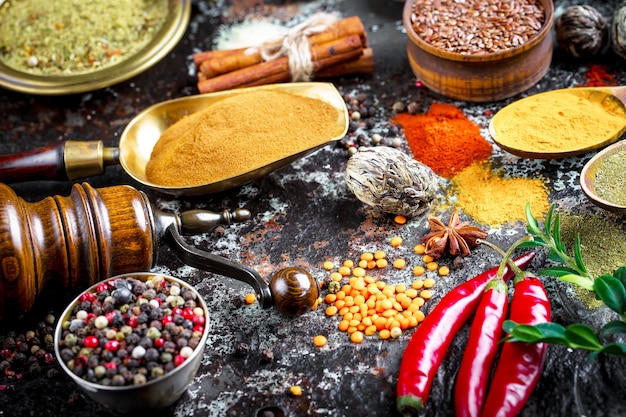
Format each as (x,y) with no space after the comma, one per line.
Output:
(485,77)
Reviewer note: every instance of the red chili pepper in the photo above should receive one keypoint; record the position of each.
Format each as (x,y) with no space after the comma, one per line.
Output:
(481,349)
(520,364)
(431,340)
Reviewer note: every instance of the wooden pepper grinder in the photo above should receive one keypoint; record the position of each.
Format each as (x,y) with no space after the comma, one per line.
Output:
(94,234)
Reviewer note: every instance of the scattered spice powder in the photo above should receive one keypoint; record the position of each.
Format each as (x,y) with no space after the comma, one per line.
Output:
(602,243)
(238,134)
(493,199)
(599,76)
(444,139)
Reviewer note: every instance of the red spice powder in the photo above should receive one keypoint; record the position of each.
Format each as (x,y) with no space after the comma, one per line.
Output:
(599,76)
(444,139)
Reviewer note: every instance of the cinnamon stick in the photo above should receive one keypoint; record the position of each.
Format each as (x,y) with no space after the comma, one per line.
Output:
(362,65)
(213,63)
(323,56)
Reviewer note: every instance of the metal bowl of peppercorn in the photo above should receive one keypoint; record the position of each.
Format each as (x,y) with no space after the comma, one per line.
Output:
(476,50)
(133,342)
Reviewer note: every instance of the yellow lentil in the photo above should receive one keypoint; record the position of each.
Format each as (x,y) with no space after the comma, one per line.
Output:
(295,390)
(336,276)
(329,265)
(320,340)
(396,241)
(250,298)
(444,270)
(400,219)
(419,270)
(419,249)
(429,283)
(399,263)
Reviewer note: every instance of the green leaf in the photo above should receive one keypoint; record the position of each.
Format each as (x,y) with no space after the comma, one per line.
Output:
(617,349)
(557,271)
(532,226)
(620,273)
(612,292)
(532,243)
(556,233)
(578,256)
(548,222)
(556,256)
(543,332)
(581,336)
(584,282)
(613,327)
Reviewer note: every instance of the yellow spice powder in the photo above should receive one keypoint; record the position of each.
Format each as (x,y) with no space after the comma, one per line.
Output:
(493,199)
(560,120)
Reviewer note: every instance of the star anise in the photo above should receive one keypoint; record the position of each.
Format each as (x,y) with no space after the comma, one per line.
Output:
(458,237)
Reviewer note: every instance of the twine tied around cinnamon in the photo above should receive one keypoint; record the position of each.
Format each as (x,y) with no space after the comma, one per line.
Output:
(295,45)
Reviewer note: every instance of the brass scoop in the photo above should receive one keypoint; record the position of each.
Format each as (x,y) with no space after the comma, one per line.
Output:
(612,99)
(94,234)
(72,160)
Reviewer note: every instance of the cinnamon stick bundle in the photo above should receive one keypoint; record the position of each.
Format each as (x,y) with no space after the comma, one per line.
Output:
(340,49)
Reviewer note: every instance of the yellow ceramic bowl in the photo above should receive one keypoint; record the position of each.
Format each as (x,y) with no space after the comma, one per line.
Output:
(164,41)
(480,78)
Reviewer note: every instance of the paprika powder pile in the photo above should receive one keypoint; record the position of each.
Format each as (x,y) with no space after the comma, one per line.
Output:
(444,139)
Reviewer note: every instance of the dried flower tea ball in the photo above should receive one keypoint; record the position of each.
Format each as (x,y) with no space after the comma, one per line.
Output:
(618,31)
(581,31)
(390,180)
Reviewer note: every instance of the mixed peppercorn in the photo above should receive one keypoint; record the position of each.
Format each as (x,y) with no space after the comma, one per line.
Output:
(129,331)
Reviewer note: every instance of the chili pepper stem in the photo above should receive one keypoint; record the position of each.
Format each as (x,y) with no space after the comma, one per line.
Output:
(506,257)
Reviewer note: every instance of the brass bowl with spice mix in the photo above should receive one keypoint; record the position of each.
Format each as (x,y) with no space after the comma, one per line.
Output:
(479,50)
(133,342)
(73,46)
(603,177)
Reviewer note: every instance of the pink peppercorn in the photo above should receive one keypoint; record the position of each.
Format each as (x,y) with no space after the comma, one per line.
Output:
(112,345)
(198,320)
(87,296)
(91,341)
(167,319)
(188,314)
(178,360)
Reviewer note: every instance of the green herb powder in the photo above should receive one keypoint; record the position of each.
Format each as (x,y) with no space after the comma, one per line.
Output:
(610,179)
(602,241)
(62,37)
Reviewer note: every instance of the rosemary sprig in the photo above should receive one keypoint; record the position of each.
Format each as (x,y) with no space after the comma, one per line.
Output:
(608,288)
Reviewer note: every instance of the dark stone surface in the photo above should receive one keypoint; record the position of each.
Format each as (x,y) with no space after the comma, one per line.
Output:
(302,214)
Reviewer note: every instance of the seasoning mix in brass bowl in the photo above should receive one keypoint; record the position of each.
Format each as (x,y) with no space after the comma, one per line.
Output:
(479,50)
(53,48)
(603,177)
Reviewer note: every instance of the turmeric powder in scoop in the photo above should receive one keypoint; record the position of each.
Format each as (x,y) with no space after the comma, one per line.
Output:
(239,134)
(560,123)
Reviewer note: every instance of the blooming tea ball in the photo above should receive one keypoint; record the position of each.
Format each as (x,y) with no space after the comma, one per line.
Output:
(618,31)
(581,31)
(391,181)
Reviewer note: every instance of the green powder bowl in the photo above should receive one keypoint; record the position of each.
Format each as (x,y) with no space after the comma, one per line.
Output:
(602,178)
